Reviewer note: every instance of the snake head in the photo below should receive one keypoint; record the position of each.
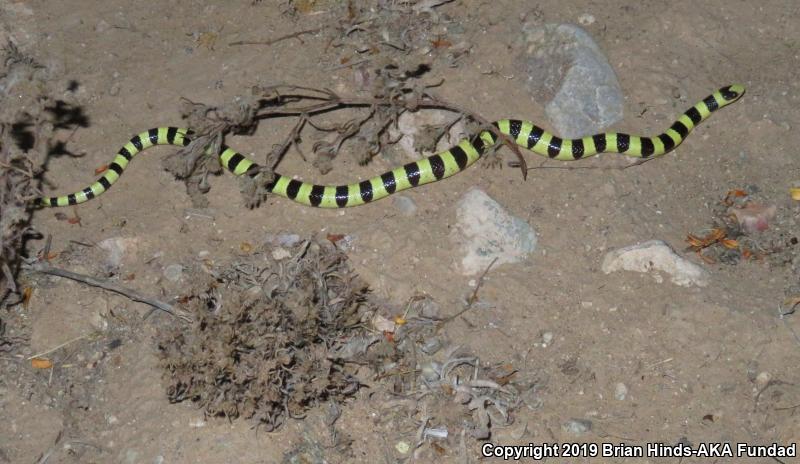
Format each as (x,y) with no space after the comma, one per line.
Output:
(732,93)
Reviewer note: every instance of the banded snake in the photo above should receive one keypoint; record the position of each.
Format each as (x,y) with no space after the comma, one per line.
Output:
(431,169)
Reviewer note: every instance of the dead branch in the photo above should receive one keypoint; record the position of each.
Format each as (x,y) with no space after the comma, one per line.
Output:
(473,298)
(281,97)
(293,35)
(44,268)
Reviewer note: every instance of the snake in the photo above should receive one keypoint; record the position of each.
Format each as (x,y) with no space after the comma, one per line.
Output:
(433,168)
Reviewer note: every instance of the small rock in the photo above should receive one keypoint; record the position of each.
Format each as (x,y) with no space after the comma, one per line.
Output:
(431,346)
(620,391)
(118,248)
(586,19)
(485,231)
(98,320)
(405,205)
(280,253)
(381,324)
(173,272)
(547,337)
(402,447)
(577,426)
(763,378)
(416,129)
(283,240)
(197,423)
(567,71)
(754,217)
(655,255)
(430,371)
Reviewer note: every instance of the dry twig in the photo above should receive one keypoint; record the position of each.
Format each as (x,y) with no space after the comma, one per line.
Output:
(134,295)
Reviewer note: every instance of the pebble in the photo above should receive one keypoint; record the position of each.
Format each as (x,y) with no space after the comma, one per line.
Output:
(412,129)
(98,320)
(656,255)
(586,19)
(577,426)
(173,272)
(431,346)
(547,338)
(430,371)
(405,205)
(485,232)
(197,423)
(402,447)
(566,70)
(283,239)
(118,248)
(280,253)
(763,378)
(620,391)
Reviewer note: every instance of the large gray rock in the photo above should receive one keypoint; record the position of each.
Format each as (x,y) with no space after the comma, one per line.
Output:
(567,71)
(485,231)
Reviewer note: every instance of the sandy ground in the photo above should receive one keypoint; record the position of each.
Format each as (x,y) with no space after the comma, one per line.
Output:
(700,365)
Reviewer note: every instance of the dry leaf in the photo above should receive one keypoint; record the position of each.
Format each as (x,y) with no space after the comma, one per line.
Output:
(41,363)
(27,292)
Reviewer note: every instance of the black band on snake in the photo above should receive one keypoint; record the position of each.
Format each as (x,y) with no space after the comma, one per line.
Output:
(427,170)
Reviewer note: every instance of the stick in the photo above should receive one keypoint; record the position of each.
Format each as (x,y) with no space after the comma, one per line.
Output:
(329,100)
(293,35)
(57,347)
(132,294)
(473,298)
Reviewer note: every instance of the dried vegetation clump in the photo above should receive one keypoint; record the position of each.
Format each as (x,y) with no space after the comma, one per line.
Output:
(29,115)
(745,228)
(393,51)
(267,335)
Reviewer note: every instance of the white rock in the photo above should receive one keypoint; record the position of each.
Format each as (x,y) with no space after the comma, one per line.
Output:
(620,391)
(118,248)
(656,255)
(485,231)
(763,378)
(409,126)
(280,253)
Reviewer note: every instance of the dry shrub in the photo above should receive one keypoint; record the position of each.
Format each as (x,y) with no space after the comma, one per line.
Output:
(268,334)
(29,114)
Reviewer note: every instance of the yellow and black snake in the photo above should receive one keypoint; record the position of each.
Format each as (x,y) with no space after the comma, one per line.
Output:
(431,169)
